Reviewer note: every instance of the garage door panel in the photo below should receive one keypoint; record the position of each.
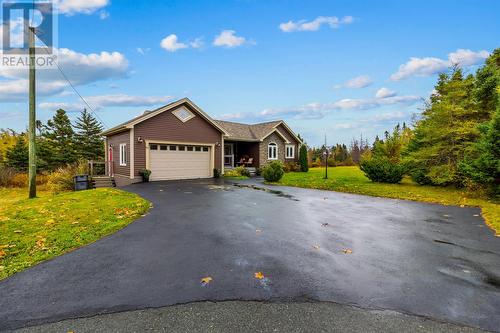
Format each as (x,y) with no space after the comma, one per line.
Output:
(175,164)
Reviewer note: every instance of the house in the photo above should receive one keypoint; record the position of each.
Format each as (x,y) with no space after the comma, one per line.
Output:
(181,141)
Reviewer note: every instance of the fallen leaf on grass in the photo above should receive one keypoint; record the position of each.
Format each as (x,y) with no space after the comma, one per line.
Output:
(49,222)
(259,275)
(40,242)
(2,254)
(18,231)
(347,251)
(76,222)
(206,280)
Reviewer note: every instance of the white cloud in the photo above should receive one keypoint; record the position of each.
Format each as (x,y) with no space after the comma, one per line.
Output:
(197,43)
(320,110)
(384,93)
(103,101)
(464,57)
(228,38)
(17,90)
(314,25)
(430,65)
(71,7)
(103,14)
(171,44)
(142,50)
(80,69)
(357,82)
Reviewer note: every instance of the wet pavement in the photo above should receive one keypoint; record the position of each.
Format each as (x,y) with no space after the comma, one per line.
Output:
(430,260)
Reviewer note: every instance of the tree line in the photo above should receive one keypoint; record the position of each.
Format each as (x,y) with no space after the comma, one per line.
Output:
(59,142)
(456,140)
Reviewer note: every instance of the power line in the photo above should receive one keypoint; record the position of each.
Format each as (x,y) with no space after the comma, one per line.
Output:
(76,91)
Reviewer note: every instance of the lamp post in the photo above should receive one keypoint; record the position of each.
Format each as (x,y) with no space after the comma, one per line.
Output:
(325,154)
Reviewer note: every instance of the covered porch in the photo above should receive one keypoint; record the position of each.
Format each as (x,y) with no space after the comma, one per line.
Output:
(241,153)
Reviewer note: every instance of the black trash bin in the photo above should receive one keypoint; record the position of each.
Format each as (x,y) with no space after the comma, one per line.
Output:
(81,182)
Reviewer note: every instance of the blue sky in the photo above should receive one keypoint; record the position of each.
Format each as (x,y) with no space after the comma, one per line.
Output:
(319,65)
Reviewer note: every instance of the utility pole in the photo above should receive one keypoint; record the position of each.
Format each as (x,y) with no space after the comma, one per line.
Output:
(32,116)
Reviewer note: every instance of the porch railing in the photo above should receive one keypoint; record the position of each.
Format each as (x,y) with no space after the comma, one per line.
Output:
(100,168)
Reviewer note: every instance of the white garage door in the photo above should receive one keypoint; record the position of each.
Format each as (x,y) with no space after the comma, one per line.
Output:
(179,161)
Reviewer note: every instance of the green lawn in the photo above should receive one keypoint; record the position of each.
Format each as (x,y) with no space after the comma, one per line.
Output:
(352,180)
(35,230)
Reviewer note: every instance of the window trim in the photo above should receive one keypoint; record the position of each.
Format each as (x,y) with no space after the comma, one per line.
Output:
(275,146)
(292,155)
(123,154)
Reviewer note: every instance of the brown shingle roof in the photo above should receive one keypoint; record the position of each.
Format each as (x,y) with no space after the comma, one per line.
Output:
(247,131)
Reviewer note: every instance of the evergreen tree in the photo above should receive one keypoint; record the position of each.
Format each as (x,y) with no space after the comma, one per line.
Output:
(17,156)
(485,167)
(303,160)
(60,140)
(446,131)
(88,137)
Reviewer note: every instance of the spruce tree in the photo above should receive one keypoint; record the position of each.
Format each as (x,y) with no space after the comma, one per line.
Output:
(60,140)
(17,156)
(88,137)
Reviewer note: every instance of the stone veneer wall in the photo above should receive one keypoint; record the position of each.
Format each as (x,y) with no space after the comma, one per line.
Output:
(263,149)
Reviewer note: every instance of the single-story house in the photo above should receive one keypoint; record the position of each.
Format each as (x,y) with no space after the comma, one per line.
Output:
(181,141)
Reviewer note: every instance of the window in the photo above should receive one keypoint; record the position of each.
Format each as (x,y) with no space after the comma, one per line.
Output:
(197,148)
(290,151)
(153,147)
(163,147)
(189,148)
(272,151)
(123,154)
(183,114)
(173,148)
(205,148)
(182,148)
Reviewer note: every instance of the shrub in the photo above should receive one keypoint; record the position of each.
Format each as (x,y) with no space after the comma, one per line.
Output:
(237,172)
(19,180)
(419,176)
(61,179)
(382,170)
(273,171)
(145,173)
(6,175)
(216,173)
(291,167)
(316,163)
(303,160)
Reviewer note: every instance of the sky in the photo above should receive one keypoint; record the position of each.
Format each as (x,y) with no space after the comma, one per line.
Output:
(338,68)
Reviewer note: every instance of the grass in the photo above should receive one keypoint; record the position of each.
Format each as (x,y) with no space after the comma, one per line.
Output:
(35,230)
(352,180)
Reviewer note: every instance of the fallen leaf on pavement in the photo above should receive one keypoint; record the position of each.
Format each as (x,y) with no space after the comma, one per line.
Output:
(206,280)
(316,247)
(259,275)
(347,251)
(324,224)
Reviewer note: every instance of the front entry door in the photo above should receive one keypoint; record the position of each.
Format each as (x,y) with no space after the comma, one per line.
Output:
(228,155)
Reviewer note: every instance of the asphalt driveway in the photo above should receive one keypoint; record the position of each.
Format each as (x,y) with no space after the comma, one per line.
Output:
(430,260)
